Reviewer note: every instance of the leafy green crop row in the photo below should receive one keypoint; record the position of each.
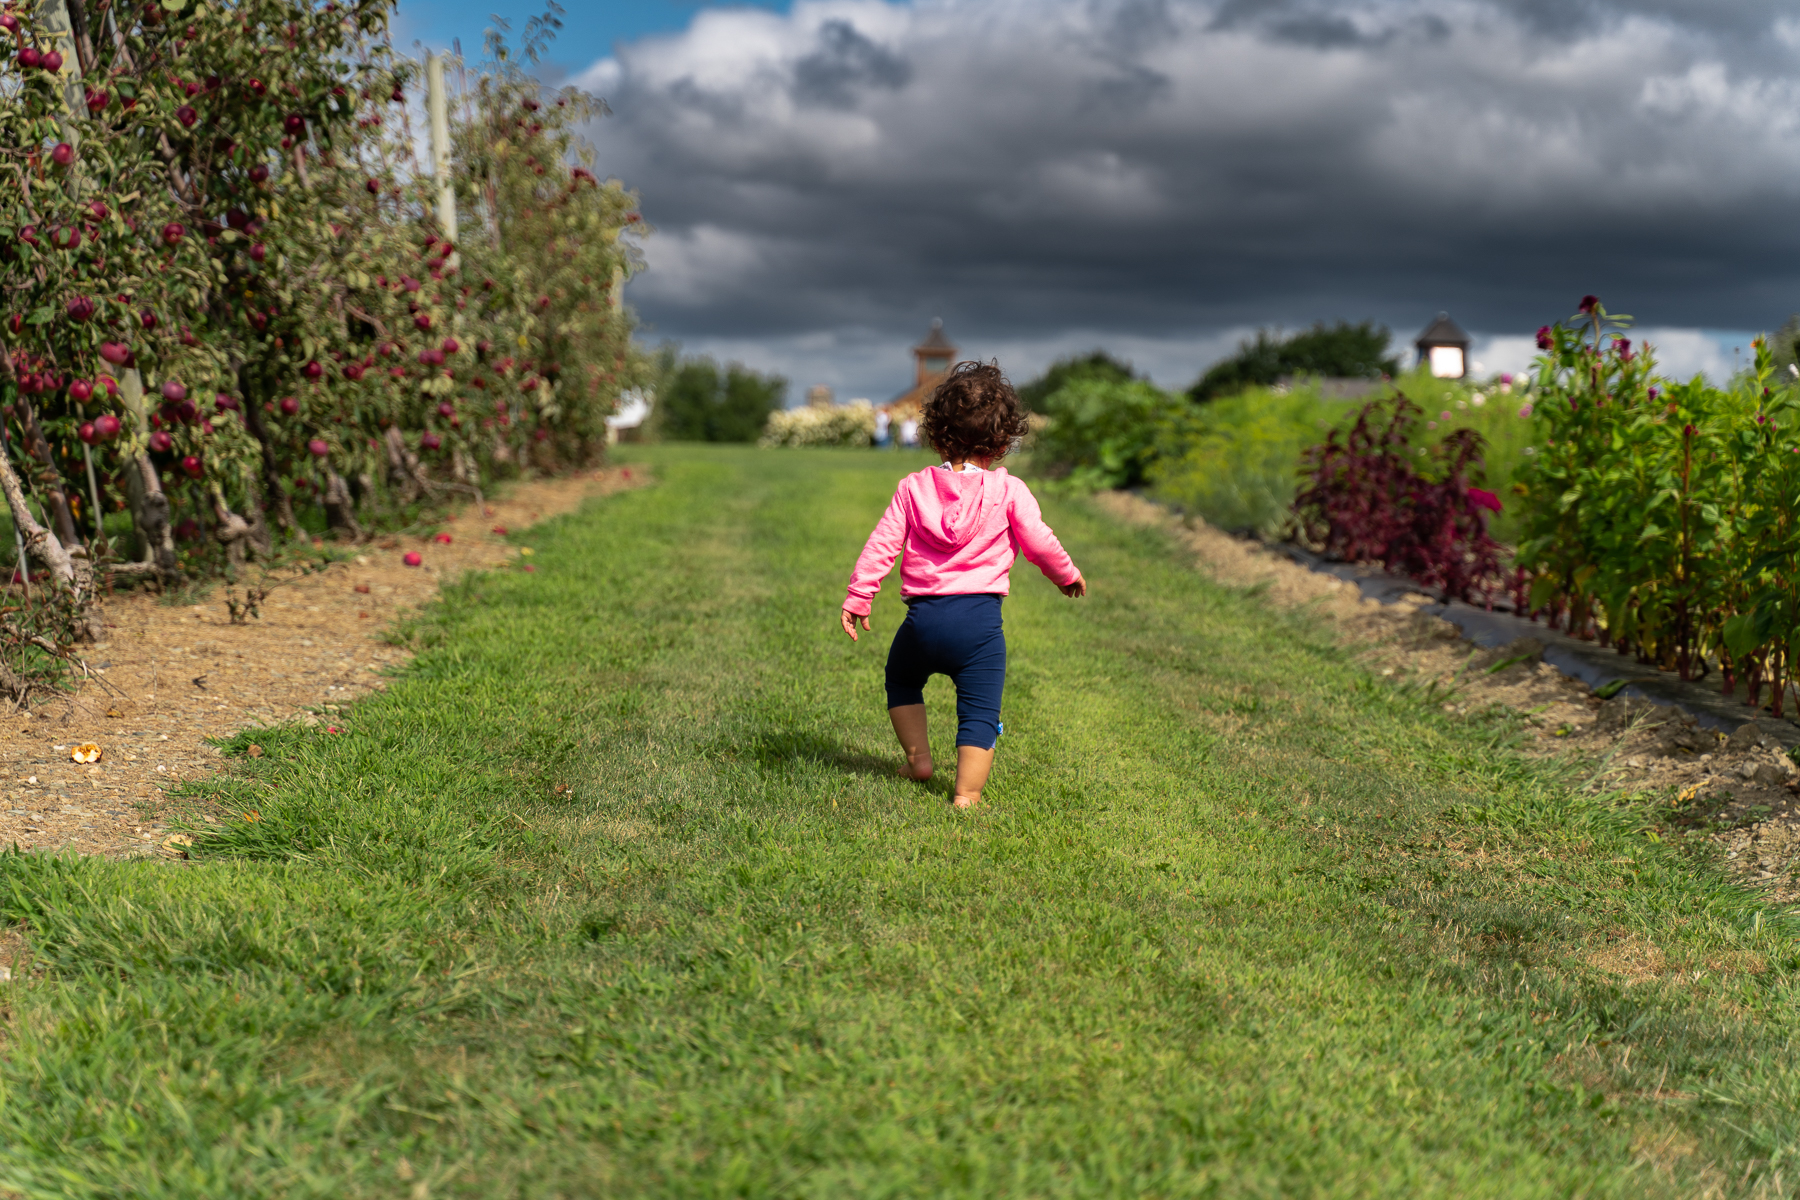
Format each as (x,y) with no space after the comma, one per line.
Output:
(1661,516)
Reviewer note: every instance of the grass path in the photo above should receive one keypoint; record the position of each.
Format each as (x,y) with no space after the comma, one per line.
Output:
(614,893)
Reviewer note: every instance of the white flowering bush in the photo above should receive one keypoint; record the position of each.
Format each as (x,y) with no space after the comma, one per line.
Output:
(850,425)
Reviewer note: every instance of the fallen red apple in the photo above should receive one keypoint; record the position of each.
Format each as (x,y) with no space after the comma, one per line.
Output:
(442,537)
(412,558)
(80,308)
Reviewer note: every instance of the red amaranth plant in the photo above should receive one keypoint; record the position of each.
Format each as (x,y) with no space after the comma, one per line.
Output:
(1372,496)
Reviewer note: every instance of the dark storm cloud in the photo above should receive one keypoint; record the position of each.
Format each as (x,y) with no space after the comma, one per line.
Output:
(1163,169)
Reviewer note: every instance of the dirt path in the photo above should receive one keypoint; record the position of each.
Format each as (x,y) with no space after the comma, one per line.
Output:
(176,676)
(1740,790)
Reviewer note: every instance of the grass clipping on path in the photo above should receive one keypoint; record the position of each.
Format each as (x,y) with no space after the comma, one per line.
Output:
(615,893)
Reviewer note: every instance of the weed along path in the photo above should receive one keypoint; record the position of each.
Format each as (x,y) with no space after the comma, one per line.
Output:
(615,892)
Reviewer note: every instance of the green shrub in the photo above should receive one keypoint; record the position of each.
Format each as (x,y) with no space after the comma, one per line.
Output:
(1097,365)
(846,425)
(1341,351)
(699,402)
(1104,432)
(1235,461)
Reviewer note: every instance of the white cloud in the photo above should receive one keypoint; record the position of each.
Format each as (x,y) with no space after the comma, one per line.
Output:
(1149,175)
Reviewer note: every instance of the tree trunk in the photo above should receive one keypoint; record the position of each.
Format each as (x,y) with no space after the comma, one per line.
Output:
(340,506)
(276,498)
(150,513)
(403,466)
(56,500)
(240,537)
(40,543)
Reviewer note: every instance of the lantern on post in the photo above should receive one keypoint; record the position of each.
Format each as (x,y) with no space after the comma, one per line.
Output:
(1444,347)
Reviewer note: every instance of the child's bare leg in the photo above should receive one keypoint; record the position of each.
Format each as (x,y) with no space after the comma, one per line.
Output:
(909,727)
(972,767)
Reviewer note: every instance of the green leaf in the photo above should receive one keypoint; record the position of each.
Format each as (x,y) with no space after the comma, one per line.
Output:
(41,316)
(1740,633)
(1607,691)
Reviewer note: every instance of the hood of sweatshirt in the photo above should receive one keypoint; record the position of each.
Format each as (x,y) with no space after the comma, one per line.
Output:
(950,506)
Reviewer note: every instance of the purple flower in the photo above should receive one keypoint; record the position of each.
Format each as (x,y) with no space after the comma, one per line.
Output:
(1589,303)
(1482,498)
(1524,410)
(1543,337)
(1623,346)
(1654,393)
(1506,378)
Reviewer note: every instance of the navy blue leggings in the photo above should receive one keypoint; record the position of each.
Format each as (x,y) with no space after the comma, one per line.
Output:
(958,636)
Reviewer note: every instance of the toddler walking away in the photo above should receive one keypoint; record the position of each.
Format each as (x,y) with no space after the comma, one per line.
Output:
(960,526)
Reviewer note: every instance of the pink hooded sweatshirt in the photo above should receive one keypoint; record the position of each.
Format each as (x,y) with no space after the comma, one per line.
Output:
(961,532)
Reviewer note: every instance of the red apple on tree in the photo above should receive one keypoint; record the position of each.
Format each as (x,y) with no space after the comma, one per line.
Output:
(115,352)
(161,442)
(107,426)
(289,406)
(173,232)
(62,154)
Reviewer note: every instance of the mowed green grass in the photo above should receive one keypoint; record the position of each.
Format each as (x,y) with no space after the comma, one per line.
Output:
(615,893)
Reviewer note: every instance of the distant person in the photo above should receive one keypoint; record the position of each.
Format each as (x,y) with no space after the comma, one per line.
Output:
(882,422)
(961,525)
(909,434)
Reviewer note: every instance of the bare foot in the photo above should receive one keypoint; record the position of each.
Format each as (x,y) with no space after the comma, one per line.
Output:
(966,801)
(917,768)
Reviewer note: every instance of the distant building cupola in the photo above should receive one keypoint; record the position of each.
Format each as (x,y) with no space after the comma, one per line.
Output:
(934,354)
(1445,348)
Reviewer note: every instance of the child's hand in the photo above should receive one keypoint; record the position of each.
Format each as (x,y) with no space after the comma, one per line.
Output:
(1078,588)
(849,621)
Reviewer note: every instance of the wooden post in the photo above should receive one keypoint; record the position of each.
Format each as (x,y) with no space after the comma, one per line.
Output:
(438,109)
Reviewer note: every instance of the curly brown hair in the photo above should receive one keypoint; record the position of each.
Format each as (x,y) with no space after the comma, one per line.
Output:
(973,414)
